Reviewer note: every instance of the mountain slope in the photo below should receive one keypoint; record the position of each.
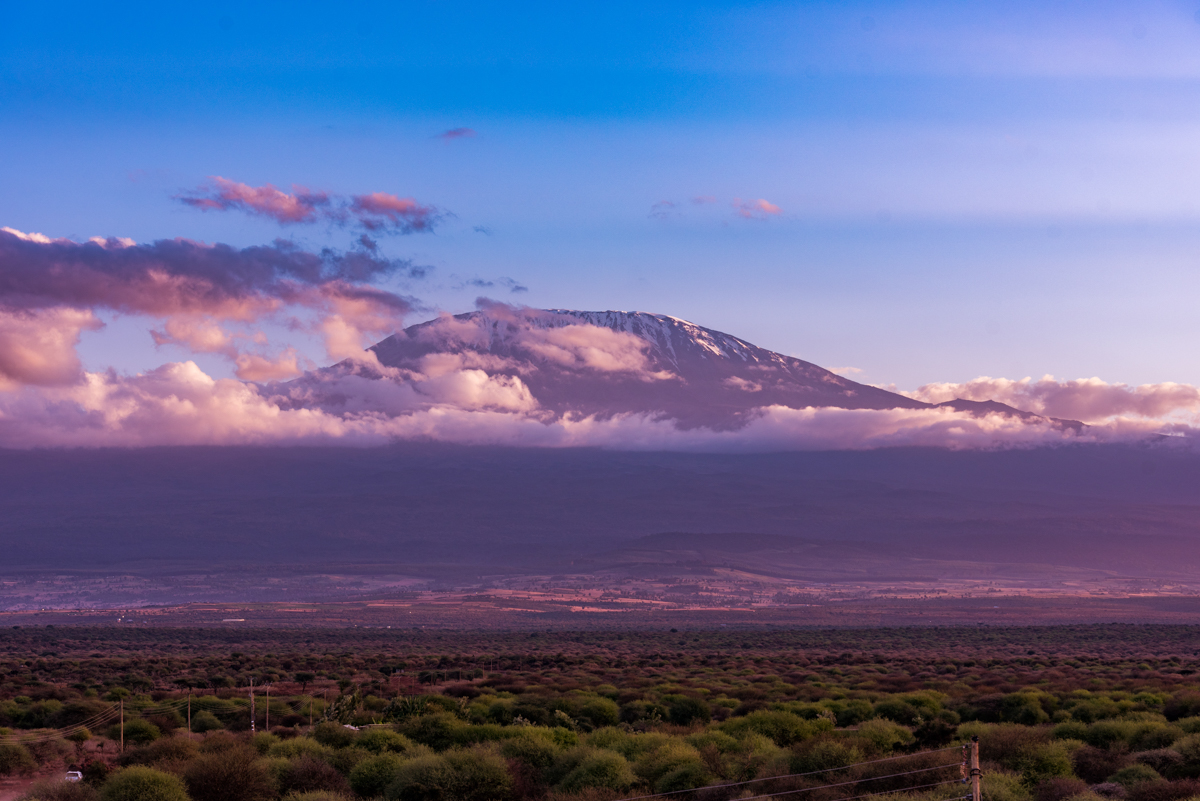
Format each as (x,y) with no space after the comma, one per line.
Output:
(605,363)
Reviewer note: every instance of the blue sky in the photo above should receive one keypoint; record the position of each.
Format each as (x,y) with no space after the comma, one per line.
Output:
(963,188)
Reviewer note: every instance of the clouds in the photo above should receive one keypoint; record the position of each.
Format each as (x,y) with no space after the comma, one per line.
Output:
(377,212)
(759,209)
(1090,399)
(178,404)
(506,375)
(38,346)
(207,298)
(456,133)
(755,209)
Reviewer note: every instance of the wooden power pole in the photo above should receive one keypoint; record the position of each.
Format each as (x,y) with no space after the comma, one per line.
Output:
(975,772)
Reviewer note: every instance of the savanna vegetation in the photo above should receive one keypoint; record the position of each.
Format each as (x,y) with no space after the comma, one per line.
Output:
(1085,713)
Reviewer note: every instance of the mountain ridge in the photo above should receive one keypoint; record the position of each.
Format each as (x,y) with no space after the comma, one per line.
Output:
(672,367)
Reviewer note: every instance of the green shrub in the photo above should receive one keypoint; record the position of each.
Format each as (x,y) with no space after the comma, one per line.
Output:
(884,735)
(1008,744)
(784,728)
(529,749)
(344,759)
(1133,775)
(474,775)
(600,769)
(371,777)
(204,720)
(334,735)
(167,749)
(600,712)
(299,746)
(1002,786)
(683,710)
(59,790)
(825,755)
(671,756)
(263,741)
(1046,761)
(377,741)
(137,731)
(140,783)
(15,758)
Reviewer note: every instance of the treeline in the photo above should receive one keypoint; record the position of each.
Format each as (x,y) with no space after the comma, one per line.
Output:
(1083,713)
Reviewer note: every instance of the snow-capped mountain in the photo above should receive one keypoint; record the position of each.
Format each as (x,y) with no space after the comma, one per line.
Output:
(605,363)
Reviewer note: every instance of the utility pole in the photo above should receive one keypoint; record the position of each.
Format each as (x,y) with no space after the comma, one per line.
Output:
(253,717)
(975,772)
(122,725)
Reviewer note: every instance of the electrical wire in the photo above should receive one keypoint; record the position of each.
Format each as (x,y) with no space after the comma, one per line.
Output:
(853,797)
(798,775)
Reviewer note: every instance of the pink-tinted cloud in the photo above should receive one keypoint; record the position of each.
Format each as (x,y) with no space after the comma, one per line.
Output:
(178,276)
(701,200)
(253,367)
(178,404)
(50,290)
(456,133)
(378,212)
(1088,399)
(755,209)
(222,194)
(544,337)
(38,346)
(381,211)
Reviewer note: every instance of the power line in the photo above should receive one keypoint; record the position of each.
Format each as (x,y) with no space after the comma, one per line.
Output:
(798,775)
(860,781)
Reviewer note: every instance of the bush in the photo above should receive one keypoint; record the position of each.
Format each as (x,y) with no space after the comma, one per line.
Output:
(15,758)
(137,731)
(371,777)
(143,784)
(825,755)
(234,774)
(377,741)
(1047,761)
(669,757)
(263,741)
(204,720)
(309,774)
(536,752)
(1133,775)
(885,735)
(162,750)
(1060,788)
(59,790)
(684,710)
(460,775)
(1097,764)
(600,712)
(334,735)
(601,770)
(298,747)
(1000,786)
(784,728)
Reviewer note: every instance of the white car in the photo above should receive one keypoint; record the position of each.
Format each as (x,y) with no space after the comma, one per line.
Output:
(73,776)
